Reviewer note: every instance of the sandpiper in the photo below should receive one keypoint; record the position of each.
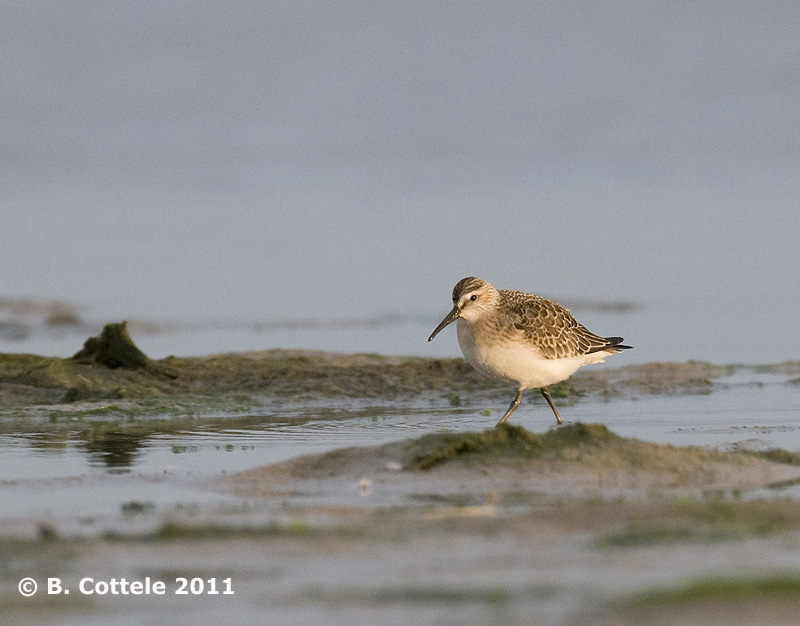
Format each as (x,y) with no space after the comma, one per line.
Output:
(522,339)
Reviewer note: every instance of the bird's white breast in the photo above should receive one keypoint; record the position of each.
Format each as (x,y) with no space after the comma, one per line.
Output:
(517,362)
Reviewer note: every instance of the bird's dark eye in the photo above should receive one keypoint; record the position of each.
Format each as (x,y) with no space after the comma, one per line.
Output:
(473,297)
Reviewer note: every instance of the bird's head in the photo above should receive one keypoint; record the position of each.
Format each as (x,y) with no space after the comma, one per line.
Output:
(472,298)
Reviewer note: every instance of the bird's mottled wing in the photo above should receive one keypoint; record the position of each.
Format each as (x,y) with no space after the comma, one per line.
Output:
(548,326)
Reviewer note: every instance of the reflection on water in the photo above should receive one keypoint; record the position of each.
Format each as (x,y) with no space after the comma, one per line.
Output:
(48,442)
(144,445)
(115,450)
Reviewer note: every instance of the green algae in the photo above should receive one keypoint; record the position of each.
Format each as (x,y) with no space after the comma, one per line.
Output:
(702,521)
(136,507)
(776,455)
(295,528)
(412,594)
(719,590)
(503,442)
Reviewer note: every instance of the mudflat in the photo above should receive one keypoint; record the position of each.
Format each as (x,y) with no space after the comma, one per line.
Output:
(572,525)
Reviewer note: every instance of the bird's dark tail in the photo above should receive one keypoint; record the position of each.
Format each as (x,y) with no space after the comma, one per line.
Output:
(614,345)
(616,342)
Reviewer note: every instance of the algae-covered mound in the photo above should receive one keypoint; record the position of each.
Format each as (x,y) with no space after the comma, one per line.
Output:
(110,366)
(113,348)
(570,459)
(591,451)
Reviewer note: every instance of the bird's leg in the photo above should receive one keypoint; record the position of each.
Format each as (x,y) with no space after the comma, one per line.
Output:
(547,397)
(512,407)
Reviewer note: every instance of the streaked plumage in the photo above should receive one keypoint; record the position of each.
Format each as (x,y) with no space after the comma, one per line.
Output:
(522,339)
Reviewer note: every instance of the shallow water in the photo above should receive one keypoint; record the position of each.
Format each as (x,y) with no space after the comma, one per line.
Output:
(55,473)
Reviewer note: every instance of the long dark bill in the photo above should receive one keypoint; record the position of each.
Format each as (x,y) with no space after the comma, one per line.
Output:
(451,317)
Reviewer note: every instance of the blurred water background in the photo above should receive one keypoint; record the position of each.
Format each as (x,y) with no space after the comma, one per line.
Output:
(248,175)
